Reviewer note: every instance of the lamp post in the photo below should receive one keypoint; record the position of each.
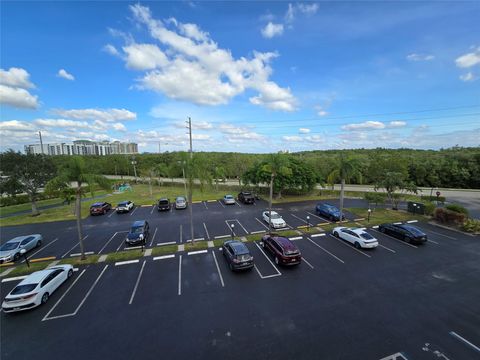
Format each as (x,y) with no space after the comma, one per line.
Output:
(369,212)
(414,208)
(308,222)
(232,226)
(24,252)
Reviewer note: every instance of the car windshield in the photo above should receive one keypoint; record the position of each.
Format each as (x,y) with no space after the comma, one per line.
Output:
(228,197)
(9,246)
(137,230)
(97,205)
(163,202)
(366,236)
(247,194)
(180,199)
(413,230)
(23,289)
(123,203)
(276,216)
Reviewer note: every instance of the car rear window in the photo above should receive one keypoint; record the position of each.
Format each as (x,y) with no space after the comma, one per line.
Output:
(136,230)
(23,289)
(413,230)
(239,248)
(366,236)
(163,202)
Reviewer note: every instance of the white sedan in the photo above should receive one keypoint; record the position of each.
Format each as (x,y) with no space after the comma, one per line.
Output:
(276,220)
(125,206)
(36,288)
(357,236)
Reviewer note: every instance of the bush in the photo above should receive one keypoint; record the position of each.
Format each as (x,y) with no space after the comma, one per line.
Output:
(429,208)
(375,197)
(447,216)
(433,198)
(21,199)
(457,208)
(472,225)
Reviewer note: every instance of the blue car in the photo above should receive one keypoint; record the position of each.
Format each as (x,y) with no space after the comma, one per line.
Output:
(328,211)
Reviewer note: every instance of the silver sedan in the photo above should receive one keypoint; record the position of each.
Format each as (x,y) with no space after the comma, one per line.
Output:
(10,251)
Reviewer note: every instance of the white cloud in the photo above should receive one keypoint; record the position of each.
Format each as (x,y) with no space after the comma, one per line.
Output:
(314,139)
(15,125)
(420,57)
(468,77)
(469,59)
(97,114)
(308,9)
(270,30)
(195,69)
(235,134)
(16,77)
(17,97)
(396,124)
(64,74)
(292,10)
(144,56)
(303,130)
(62,123)
(293,138)
(110,49)
(119,127)
(364,125)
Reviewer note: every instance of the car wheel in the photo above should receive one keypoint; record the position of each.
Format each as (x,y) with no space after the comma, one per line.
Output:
(357,245)
(382,230)
(262,244)
(277,261)
(45,298)
(16,257)
(39,243)
(407,239)
(69,274)
(335,234)
(230,266)
(332,218)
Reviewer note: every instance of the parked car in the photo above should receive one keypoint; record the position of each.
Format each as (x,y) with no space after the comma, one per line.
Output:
(10,251)
(163,204)
(125,206)
(138,233)
(180,202)
(36,288)
(237,255)
(100,208)
(406,232)
(246,197)
(276,220)
(285,252)
(357,236)
(328,211)
(229,200)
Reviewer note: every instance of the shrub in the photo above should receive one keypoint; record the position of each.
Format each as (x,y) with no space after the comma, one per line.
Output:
(457,208)
(472,225)
(433,198)
(429,208)
(447,216)
(375,197)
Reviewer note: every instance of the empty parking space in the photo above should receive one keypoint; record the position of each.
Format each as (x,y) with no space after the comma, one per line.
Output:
(199,274)
(114,243)
(235,227)
(264,262)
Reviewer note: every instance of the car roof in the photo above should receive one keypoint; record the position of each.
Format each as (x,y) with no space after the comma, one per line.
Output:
(409,227)
(36,277)
(273,212)
(238,247)
(285,243)
(163,199)
(124,202)
(139,223)
(358,231)
(98,204)
(18,238)
(180,198)
(228,195)
(245,192)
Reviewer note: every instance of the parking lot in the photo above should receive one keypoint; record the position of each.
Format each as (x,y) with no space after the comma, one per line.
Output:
(398,300)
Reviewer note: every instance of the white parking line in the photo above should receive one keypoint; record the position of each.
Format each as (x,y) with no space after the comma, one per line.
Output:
(114,211)
(261,223)
(306,262)
(181,231)
(218,269)
(434,232)
(14,278)
(221,203)
(166,243)
(296,238)
(135,209)
(43,248)
(197,252)
(431,241)
(164,257)
(120,245)
(397,223)
(400,241)
(318,217)
(393,251)
(270,261)
(180,276)
(328,252)
(476,348)
(196,239)
(154,206)
(104,246)
(119,263)
(317,235)
(153,237)
(257,232)
(236,202)
(64,294)
(350,246)
(299,218)
(222,236)
(412,221)
(230,228)
(206,231)
(90,290)
(73,247)
(132,247)
(87,253)
(136,284)
(205,204)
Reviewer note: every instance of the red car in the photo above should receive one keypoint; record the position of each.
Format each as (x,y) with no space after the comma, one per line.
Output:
(100,208)
(284,251)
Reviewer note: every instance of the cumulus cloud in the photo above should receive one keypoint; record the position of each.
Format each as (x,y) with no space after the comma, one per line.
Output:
(303,130)
(110,49)
(468,60)
(293,138)
(97,114)
(190,66)
(270,30)
(420,57)
(13,89)
(293,10)
(64,74)
(373,125)
(15,125)
(62,123)
(396,124)
(237,134)
(119,127)
(468,77)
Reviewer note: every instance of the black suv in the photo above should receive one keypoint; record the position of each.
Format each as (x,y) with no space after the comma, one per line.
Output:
(407,233)
(138,233)
(237,255)
(163,204)
(246,197)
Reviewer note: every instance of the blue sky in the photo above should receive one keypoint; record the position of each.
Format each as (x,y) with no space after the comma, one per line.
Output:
(253,76)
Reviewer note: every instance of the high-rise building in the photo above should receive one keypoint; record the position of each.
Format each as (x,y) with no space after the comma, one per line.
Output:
(84,147)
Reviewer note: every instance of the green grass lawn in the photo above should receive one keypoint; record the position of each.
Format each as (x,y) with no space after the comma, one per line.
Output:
(380,216)
(6,210)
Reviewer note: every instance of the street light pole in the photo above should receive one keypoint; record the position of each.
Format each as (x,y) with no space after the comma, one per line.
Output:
(308,222)
(233,233)
(369,212)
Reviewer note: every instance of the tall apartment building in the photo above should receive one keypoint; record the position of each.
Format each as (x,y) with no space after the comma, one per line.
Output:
(84,147)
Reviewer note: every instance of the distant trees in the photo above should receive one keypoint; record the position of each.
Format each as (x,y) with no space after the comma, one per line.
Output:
(395,185)
(26,173)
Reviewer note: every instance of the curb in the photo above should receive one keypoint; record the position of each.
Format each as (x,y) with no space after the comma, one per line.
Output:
(452,229)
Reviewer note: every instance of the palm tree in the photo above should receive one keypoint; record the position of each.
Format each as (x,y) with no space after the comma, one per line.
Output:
(347,169)
(276,164)
(75,171)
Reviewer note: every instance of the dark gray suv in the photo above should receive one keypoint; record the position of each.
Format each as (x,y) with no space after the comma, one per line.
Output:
(138,233)
(237,255)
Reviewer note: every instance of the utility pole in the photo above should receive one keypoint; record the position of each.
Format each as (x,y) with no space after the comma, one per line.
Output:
(190,179)
(41,142)
(134,163)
